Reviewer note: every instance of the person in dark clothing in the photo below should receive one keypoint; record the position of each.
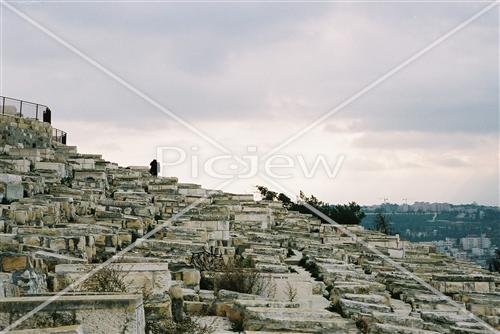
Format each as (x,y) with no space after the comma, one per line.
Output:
(155,168)
(47,115)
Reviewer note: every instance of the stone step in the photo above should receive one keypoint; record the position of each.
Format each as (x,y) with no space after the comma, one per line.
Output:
(291,320)
(262,312)
(465,330)
(351,307)
(75,329)
(294,259)
(394,329)
(397,319)
(262,332)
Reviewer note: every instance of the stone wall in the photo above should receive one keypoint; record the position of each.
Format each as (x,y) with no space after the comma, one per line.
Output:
(137,276)
(21,273)
(11,188)
(76,329)
(24,132)
(97,314)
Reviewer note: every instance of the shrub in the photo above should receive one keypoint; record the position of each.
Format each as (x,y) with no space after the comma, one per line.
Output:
(238,276)
(206,281)
(207,261)
(311,267)
(67,181)
(334,307)
(363,325)
(291,292)
(9,248)
(187,326)
(238,325)
(49,320)
(108,279)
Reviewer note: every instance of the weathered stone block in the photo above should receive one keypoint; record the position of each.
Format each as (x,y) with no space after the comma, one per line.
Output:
(103,314)
(58,167)
(14,263)
(12,185)
(191,277)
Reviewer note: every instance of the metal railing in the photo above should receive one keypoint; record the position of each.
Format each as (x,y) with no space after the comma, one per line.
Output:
(20,108)
(26,109)
(59,136)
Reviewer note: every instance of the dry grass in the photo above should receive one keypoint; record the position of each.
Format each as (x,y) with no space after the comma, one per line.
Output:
(240,276)
(187,326)
(108,279)
(291,292)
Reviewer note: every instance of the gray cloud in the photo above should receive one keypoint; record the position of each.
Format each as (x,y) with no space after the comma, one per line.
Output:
(232,62)
(280,64)
(454,162)
(428,140)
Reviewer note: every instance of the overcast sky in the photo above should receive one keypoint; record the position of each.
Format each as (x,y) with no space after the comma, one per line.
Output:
(254,74)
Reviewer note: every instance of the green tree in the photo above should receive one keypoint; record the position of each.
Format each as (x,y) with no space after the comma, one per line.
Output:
(494,263)
(346,213)
(382,223)
(274,196)
(267,194)
(341,213)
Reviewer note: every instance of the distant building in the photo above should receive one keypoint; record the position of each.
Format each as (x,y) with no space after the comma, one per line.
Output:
(460,255)
(478,251)
(447,246)
(470,242)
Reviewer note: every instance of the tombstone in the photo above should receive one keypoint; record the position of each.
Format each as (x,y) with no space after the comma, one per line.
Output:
(177,298)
